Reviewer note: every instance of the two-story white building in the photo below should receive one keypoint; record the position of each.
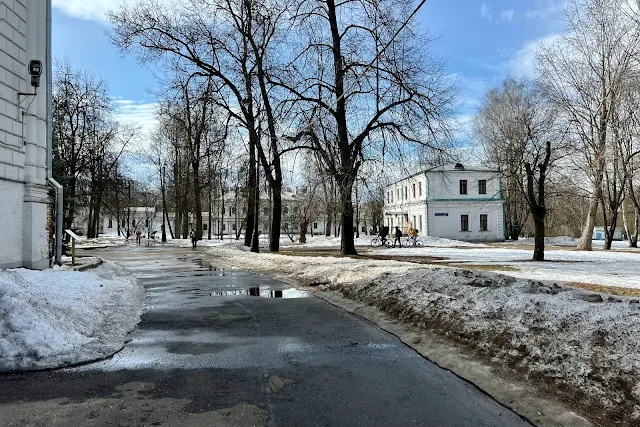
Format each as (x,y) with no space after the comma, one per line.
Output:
(448,201)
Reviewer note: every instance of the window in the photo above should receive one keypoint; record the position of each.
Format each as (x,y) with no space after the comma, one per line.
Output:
(234,226)
(484,223)
(364,229)
(420,223)
(124,223)
(146,222)
(110,223)
(134,223)
(391,196)
(406,193)
(398,194)
(414,222)
(420,189)
(413,190)
(205,227)
(388,198)
(315,225)
(482,186)
(464,222)
(224,226)
(234,210)
(463,186)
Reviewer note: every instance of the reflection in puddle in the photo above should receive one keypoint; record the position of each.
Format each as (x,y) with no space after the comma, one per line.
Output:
(264,293)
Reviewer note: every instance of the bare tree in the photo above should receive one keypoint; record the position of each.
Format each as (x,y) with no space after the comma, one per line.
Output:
(362,79)
(516,125)
(583,74)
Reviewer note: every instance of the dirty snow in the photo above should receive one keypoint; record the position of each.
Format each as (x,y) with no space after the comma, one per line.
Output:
(581,340)
(56,318)
(103,242)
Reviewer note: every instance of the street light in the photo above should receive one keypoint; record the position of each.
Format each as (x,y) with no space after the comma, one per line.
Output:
(164,233)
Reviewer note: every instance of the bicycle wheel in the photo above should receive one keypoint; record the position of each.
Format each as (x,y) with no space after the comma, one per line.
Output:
(407,242)
(419,243)
(375,242)
(387,243)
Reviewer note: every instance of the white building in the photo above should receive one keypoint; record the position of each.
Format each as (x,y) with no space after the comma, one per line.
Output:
(448,201)
(24,154)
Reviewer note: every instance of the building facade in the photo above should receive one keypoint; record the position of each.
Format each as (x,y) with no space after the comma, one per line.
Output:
(23,134)
(448,201)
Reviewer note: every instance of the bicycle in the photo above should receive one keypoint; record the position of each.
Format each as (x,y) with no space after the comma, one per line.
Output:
(412,241)
(378,241)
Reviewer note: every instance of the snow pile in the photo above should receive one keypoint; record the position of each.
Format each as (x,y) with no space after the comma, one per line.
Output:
(563,338)
(56,318)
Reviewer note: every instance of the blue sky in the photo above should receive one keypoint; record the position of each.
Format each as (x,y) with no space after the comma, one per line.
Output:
(483,41)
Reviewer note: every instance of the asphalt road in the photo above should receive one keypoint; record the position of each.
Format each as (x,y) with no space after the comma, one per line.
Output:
(220,347)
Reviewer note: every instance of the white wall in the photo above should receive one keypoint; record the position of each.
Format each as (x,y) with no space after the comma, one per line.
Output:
(446,185)
(23,190)
(449,226)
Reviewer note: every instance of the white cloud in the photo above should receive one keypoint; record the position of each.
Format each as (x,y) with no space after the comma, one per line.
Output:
(507,15)
(92,10)
(522,63)
(485,12)
(139,114)
(546,8)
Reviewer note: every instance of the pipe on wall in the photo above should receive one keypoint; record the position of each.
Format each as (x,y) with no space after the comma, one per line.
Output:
(56,186)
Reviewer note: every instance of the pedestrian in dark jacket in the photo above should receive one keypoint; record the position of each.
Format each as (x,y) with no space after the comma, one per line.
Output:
(194,239)
(398,237)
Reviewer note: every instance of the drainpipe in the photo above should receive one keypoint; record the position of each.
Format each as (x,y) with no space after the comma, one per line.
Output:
(52,182)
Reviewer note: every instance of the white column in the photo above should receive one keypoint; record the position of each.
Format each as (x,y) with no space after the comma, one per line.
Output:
(36,199)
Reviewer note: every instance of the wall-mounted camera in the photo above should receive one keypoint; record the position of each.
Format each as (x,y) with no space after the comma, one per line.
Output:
(35,70)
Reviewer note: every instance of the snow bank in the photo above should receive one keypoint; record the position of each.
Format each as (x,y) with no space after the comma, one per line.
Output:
(585,344)
(56,318)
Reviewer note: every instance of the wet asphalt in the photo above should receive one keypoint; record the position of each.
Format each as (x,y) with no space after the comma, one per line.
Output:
(220,346)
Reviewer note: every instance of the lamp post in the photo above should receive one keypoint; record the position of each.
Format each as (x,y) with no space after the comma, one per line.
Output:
(164,213)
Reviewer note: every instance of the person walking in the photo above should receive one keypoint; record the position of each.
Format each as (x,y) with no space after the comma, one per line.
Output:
(138,237)
(398,237)
(194,240)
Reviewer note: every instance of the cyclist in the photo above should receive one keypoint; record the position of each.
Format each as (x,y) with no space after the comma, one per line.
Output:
(413,235)
(384,232)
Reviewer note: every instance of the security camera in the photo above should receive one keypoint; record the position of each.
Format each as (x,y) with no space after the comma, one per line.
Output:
(35,70)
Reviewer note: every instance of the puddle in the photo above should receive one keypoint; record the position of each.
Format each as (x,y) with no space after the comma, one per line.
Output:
(256,291)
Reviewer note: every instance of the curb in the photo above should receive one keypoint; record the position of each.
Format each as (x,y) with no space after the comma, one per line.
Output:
(89,266)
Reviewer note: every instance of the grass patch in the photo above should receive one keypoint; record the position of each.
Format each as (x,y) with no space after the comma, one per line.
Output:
(610,290)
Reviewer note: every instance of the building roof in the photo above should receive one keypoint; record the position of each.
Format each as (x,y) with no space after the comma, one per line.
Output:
(450,167)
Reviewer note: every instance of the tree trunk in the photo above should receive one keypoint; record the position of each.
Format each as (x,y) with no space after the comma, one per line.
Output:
(347,245)
(585,243)
(251,189)
(303,230)
(538,249)
(276,218)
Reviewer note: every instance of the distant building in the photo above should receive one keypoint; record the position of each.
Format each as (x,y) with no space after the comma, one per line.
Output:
(228,215)
(599,233)
(448,201)
(23,135)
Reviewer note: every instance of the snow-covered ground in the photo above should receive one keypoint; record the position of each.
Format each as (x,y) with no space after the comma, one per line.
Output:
(103,242)
(56,318)
(572,241)
(564,336)
(598,267)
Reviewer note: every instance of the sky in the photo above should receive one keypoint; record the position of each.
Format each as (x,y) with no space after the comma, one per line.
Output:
(482,41)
